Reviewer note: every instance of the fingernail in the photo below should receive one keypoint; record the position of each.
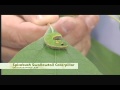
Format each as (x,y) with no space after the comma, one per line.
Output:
(68,26)
(90,21)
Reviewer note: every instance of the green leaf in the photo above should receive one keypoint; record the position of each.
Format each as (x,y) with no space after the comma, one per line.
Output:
(105,60)
(38,52)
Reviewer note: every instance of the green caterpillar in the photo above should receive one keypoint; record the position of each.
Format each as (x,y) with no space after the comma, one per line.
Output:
(54,40)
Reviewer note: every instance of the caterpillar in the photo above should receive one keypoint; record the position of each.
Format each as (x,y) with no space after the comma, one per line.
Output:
(55,40)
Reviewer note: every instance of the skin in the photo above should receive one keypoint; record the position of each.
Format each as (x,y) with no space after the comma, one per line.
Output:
(20,30)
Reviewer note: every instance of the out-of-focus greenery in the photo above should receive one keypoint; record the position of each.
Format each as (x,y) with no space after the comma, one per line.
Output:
(105,60)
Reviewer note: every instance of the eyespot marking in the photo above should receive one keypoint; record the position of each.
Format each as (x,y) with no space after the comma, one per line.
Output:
(54,40)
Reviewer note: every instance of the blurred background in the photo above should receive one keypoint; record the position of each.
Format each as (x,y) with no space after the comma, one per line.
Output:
(107,32)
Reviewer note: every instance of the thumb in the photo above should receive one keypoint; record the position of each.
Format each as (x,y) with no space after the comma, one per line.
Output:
(40,19)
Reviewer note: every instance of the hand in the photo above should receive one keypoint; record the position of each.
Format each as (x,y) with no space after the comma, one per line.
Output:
(28,28)
(19,31)
(77,30)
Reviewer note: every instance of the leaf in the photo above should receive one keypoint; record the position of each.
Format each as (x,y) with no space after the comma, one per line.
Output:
(38,52)
(105,60)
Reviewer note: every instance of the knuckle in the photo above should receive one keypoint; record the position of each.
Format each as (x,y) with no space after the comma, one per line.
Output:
(21,42)
(18,40)
(81,30)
